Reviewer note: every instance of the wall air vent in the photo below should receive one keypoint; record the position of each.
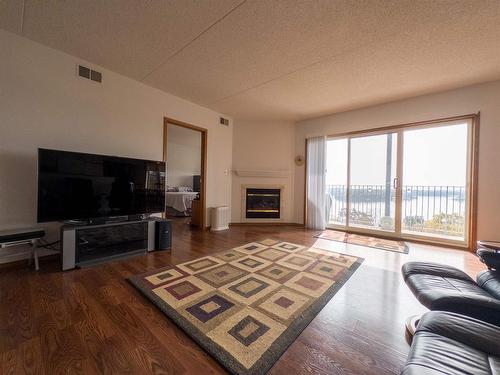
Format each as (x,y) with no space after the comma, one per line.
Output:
(83,71)
(223,121)
(95,76)
(88,73)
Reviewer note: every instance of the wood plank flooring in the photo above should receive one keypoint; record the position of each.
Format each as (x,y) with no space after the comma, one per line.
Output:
(91,321)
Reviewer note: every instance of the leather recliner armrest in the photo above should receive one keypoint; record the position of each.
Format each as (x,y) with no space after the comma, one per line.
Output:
(490,281)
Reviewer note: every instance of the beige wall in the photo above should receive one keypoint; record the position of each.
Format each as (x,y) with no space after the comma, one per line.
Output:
(263,146)
(483,98)
(183,155)
(44,104)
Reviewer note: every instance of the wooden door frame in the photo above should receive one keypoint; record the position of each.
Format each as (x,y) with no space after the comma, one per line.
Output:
(204,137)
(472,178)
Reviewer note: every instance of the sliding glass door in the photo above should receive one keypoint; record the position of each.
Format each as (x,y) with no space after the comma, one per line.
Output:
(373,182)
(409,182)
(435,193)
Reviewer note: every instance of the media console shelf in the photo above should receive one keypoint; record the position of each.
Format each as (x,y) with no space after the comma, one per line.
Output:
(85,245)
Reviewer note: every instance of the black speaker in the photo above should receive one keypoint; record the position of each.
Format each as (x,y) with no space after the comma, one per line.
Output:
(163,234)
(197,183)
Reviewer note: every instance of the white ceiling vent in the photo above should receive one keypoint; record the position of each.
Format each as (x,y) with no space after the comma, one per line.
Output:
(224,121)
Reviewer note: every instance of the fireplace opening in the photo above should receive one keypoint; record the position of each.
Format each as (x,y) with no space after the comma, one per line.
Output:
(263,203)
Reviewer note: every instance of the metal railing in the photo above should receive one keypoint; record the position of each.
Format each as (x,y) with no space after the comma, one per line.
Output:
(435,210)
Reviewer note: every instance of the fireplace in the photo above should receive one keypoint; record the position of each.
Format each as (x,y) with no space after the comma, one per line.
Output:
(262,203)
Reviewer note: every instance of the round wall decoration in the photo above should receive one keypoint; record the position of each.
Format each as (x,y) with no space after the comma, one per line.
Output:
(299,160)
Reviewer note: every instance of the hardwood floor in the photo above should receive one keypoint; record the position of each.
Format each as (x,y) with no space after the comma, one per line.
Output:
(91,321)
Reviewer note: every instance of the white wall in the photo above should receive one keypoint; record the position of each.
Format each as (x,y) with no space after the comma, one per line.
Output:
(44,104)
(263,146)
(183,155)
(483,98)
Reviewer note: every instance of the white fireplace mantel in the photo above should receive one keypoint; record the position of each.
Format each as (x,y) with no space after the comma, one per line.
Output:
(262,173)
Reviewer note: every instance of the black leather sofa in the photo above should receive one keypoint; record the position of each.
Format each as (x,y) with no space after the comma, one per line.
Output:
(445,288)
(448,343)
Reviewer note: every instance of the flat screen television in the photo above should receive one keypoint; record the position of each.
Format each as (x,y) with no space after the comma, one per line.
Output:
(78,186)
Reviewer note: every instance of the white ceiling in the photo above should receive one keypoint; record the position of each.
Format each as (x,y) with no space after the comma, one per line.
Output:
(275,59)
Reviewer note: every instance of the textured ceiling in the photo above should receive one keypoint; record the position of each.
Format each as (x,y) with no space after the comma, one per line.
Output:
(279,59)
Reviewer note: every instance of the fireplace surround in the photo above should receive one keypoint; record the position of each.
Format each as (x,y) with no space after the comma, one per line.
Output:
(261,203)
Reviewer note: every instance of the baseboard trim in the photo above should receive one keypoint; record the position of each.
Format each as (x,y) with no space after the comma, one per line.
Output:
(273,223)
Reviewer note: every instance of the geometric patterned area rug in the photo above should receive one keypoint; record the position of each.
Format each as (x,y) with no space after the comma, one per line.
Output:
(355,239)
(246,305)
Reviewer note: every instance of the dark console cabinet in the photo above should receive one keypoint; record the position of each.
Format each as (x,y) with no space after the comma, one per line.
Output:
(83,245)
(104,242)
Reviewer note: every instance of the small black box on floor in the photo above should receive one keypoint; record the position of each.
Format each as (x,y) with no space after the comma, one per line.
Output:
(163,234)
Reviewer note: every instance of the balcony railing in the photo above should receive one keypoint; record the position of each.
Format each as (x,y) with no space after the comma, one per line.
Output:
(433,210)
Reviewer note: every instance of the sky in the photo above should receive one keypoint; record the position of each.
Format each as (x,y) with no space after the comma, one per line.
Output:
(432,157)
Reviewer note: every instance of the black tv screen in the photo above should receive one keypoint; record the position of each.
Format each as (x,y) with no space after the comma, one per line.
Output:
(78,186)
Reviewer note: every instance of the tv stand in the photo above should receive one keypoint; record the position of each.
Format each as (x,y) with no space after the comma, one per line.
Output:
(76,222)
(88,244)
(106,220)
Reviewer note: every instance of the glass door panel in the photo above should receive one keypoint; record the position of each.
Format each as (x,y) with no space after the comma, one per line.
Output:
(411,183)
(373,182)
(336,181)
(435,170)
